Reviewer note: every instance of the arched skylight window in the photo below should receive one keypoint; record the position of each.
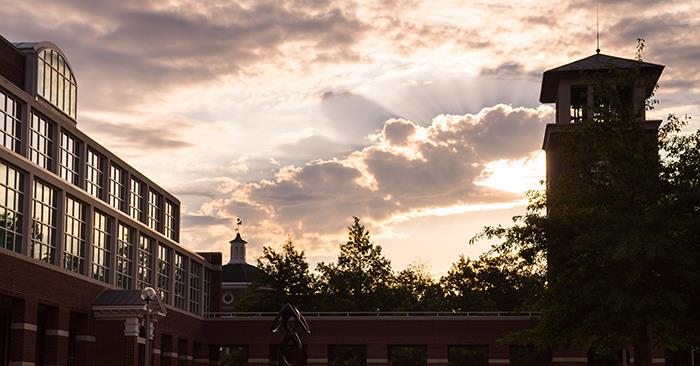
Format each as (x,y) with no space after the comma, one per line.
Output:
(55,81)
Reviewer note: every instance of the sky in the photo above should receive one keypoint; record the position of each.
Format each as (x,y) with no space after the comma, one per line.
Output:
(422,118)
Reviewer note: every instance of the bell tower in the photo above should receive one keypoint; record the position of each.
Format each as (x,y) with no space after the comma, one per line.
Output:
(571,87)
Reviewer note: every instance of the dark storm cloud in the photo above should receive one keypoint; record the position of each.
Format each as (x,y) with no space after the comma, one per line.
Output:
(130,50)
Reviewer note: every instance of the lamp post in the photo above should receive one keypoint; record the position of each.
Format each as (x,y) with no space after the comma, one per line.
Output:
(148,294)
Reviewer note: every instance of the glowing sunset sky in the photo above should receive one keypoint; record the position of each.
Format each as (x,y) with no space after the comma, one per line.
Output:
(422,118)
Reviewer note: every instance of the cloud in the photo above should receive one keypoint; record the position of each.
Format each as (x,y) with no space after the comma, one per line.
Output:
(408,168)
(148,136)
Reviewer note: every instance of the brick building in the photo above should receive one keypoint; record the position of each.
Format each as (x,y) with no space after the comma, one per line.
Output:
(82,232)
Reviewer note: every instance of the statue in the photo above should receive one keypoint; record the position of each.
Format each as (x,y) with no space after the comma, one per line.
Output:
(287,313)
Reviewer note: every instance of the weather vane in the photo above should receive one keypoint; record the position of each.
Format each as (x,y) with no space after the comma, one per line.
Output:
(239,222)
(291,338)
(597,29)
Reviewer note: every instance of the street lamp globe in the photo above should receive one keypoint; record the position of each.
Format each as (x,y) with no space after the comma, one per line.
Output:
(148,294)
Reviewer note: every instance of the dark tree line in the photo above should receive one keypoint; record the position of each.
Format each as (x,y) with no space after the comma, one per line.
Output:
(362,279)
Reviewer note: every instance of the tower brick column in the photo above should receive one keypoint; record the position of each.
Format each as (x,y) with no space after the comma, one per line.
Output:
(317,355)
(56,339)
(185,351)
(499,354)
(84,340)
(570,357)
(156,349)
(131,342)
(169,351)
(214,355)
(377,355)
(258,355)
(200,354)
(22,347)
(437,355)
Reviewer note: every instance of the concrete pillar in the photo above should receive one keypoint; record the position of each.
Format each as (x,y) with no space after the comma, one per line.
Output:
(317,355)
(437,354)
(570,357)
(84,340)
(185,351)
(23,327)
(131,342)
(56,338)
(499,354)
(377,355)
(258,355)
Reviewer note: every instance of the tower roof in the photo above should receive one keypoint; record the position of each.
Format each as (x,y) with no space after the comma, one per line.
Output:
(238,239)
(597,62)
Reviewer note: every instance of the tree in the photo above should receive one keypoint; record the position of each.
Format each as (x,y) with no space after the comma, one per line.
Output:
(285,278)
(414,289)
(620,233)
(361,275)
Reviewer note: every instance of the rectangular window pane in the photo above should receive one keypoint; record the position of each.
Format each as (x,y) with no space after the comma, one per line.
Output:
(145,278)
(124,256)
(11,215)
(170,223)
(135,199)
(164,262)
(195,286)
(408,356)
(41,141)
(180,281)
(116,187)
(43,222)
(153,210)
(10,122)
(93,173)
(468,356)
(355,355)
(69,161)
(74,238)
(101,229)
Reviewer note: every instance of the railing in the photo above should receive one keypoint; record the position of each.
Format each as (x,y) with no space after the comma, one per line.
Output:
(380,314)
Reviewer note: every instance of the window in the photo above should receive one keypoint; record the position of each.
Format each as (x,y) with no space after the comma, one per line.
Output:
(11,198)
(43,222)
(145,277)
(101,226)
(529,356)
(41,141)
(408,356)
(180,281)
(74,236)
(164,260)
(169,224)
(195,287)
(10,122)
(579,100)
(69,161)
(116,187)
(135,199)
(468,355)
(207,291)
(93,173)
(55,81)
(153,210)
(355,355)
(124,256)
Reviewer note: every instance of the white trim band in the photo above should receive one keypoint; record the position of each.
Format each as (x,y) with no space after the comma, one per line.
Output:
(201,360)
(85,338)
(57,332)
(21,363)
(258,360)
(658,360)
(377,360)
(317,360)
(438,360)
(499,361)
(569,359)
(156,351)
(170,354)
(23,326)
